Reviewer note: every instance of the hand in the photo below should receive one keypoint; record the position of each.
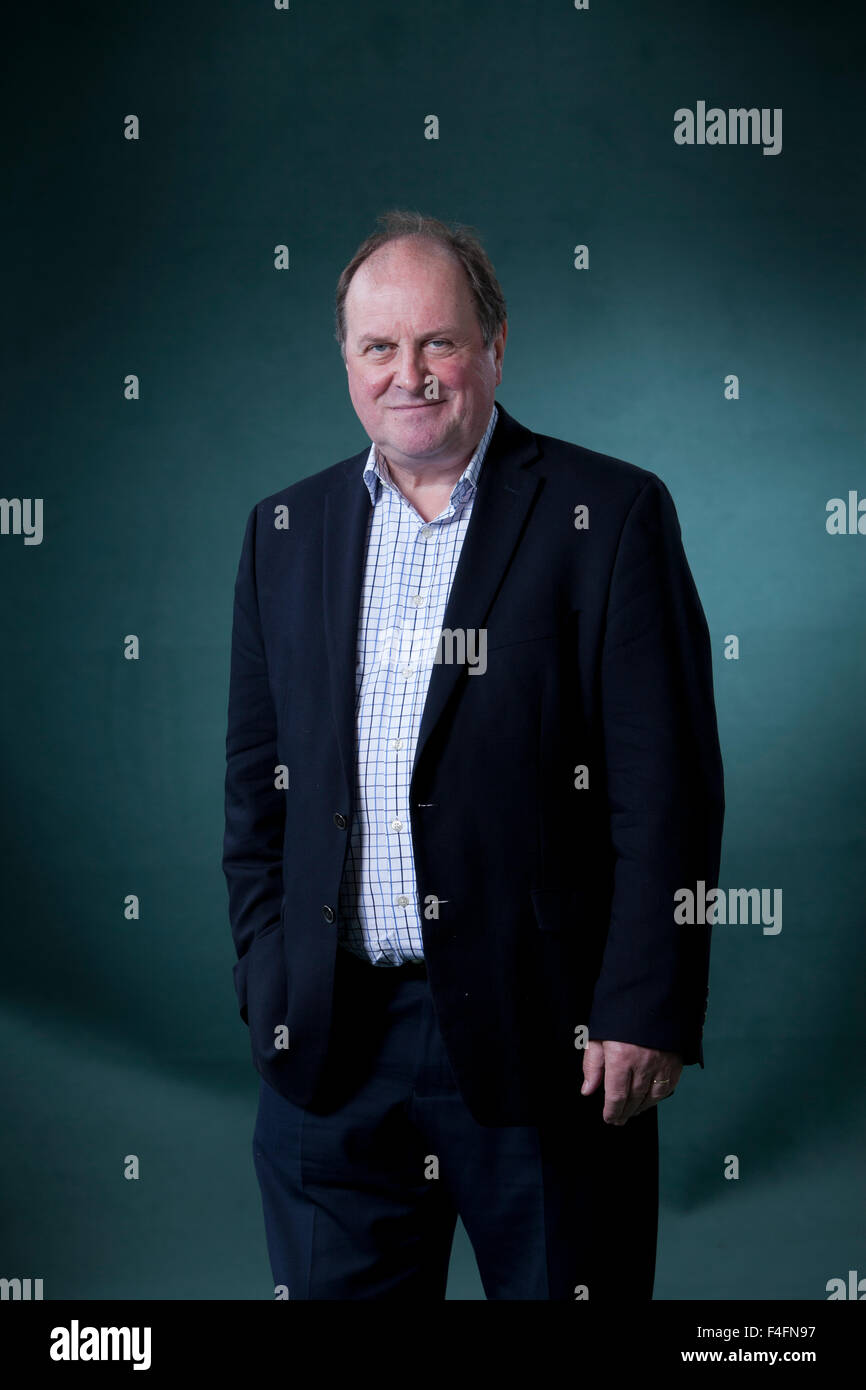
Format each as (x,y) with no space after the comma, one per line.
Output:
(632,1077)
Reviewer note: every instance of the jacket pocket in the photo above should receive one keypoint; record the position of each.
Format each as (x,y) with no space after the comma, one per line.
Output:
(514,638)
(267,990)
(241,967)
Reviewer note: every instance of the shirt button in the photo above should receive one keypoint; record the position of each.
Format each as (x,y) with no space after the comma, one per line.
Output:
(417,600)
(397,743)
(396,825)
(426,532)
(339,820)
(328,913)
(407,671)
(402,901)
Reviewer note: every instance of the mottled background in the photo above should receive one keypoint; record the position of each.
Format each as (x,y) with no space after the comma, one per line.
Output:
(155,257)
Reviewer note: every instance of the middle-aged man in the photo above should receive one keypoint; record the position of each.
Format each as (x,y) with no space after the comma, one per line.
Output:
(472,755)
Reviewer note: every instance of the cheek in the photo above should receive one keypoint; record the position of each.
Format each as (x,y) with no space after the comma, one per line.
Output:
(461,376)
(362,389)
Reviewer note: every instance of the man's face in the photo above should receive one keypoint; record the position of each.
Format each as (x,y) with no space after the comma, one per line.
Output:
(410,315)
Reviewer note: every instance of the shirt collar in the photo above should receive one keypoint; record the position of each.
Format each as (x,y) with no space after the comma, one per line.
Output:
(374,475)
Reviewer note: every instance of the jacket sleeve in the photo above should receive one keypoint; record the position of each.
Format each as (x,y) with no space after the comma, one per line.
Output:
(254,808)
(665,787)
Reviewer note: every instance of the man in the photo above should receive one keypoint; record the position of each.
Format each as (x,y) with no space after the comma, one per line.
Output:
(472,754)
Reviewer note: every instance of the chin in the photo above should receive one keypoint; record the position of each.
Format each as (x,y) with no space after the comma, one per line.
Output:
(413,441)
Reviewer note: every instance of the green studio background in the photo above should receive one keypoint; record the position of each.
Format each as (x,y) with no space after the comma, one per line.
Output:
(155,256)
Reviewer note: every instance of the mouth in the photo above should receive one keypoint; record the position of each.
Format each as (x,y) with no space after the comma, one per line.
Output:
(422,405)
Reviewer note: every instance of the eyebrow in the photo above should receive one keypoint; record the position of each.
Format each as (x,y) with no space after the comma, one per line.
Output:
(446,331)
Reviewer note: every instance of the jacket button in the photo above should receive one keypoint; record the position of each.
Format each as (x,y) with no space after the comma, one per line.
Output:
(328,913)
(339,821)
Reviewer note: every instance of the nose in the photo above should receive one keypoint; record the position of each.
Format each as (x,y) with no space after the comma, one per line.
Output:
(409,371)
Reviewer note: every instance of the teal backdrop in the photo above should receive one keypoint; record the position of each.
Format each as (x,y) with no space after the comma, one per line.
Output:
(154,257)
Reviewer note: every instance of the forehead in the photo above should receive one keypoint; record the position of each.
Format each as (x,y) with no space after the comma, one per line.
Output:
(408,273)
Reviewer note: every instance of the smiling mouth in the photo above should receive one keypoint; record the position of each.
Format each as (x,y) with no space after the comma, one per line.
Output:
(422,405)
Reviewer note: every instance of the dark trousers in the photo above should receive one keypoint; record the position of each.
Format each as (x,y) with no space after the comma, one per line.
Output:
(361,1191)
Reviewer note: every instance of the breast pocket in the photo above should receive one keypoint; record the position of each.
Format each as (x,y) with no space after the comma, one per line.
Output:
(513,637)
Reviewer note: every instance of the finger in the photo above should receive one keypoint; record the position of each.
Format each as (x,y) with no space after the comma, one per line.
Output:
(643,1094)
(630,1108)
(659,1090)
(642,1108)
(617,1096)
(593,1067)
(663,1087)
(646,1105)
(642,1090)
(657,1081)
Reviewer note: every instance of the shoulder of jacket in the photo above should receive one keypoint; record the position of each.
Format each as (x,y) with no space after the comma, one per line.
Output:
(313,488)
(614,476)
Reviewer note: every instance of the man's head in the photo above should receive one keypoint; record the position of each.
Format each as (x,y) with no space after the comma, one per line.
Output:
(420,300)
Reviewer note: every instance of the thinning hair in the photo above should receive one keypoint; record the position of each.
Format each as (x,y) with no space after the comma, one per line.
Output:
(457,240)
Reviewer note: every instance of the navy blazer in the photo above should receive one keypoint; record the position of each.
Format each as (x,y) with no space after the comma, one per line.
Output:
(555,888)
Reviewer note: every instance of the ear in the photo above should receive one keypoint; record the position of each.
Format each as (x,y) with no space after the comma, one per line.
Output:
(499,348)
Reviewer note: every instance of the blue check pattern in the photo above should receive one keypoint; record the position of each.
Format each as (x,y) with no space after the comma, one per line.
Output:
(410,566)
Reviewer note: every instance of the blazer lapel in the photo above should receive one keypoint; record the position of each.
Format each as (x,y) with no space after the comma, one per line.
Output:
(505,493)
(344,546)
